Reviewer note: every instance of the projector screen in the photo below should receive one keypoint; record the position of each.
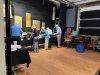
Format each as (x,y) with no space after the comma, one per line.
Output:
(70,17)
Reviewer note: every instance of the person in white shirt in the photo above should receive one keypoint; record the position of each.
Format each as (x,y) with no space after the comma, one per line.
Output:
(50,33)
(59,33)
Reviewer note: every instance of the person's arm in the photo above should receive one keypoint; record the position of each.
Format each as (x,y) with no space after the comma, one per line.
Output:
(51,32)
(21,31)
(61,30)
(10,31)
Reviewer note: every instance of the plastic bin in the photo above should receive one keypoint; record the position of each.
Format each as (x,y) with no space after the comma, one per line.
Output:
(80,47)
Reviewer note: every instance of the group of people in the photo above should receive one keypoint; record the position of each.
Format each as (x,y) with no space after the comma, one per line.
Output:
(16,33)
(47,35)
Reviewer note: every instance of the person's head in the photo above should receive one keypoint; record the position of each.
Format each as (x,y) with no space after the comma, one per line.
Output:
(47,28)
(33,26)
(42,28)
(56,25)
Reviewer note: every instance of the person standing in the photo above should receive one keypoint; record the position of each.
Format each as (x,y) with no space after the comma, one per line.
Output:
(16,32)
(47,37)
(50,33)
(59,33)
(35,38)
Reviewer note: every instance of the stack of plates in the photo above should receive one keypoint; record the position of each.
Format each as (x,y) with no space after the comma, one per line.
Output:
(15,47)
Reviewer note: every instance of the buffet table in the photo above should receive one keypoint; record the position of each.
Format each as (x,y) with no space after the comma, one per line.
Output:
(41,40)
(27,42)
(20,56)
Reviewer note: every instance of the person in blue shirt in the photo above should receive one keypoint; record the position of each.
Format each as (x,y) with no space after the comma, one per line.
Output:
(59,33)
(35,38)
(47,37)
(16,32)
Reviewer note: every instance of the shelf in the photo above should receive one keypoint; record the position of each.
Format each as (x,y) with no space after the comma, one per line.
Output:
(90,23)
(91,19)
(89,36)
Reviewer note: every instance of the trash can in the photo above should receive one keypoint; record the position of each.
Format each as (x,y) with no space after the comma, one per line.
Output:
(80,47)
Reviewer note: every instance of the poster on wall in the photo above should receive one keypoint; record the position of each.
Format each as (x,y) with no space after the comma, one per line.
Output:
(37,24)
(28,19)
(43,24)
(4,11)
(18,20)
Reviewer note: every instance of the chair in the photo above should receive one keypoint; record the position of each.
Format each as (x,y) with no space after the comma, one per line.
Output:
(76,40)
(68,31)
(93,42)
(87,42)
(98,45)
(67,40)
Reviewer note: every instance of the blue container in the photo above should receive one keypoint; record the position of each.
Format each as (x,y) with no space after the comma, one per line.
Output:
(80,47)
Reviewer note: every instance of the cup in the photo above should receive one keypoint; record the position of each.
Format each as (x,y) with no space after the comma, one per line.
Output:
(15,42)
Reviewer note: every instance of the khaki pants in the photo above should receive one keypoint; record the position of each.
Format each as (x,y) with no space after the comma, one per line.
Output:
(59,40)
(46,44)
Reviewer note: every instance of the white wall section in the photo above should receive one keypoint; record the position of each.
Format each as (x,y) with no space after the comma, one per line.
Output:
(2,46)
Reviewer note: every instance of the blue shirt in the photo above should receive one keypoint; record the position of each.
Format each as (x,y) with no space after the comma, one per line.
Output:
(59,31)
(15,30)
(47,36)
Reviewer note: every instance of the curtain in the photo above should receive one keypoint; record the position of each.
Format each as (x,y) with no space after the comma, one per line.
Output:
(62,19)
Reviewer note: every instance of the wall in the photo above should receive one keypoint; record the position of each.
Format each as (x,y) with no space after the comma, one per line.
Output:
(70,17)
(2,49)
(62,19)
(40,10)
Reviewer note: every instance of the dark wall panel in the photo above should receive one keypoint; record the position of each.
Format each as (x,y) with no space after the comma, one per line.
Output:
(39,10)
(90,14)
(70,17)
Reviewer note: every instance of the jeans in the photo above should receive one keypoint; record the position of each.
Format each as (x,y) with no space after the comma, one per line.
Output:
(35,43)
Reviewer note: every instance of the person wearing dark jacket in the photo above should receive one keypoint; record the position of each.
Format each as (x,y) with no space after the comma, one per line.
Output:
(35,38)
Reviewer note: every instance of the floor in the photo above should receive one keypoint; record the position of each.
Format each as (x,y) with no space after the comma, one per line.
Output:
(62,61)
